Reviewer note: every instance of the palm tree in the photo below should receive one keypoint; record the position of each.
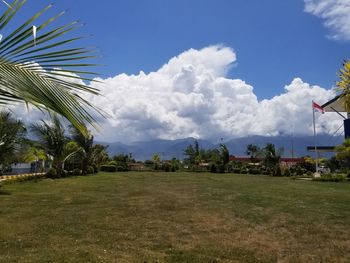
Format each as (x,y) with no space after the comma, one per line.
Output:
(85,142)
(12,133)
(34,154)
(225,155)
(43,70)
(52,138)
(343,84)
(343,152)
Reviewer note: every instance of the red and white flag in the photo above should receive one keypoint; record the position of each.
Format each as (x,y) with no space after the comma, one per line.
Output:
(315,106)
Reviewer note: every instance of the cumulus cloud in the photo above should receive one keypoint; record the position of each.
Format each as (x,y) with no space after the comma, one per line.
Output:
(191,96)
(336,14)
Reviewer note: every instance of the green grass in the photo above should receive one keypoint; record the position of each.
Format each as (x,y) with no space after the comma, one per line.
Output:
(174,217)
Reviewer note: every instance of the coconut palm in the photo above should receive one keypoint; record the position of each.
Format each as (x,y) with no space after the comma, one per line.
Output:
(52,138)
(39,67)
(34,154)
(343,84)
(85,141)
(12,133)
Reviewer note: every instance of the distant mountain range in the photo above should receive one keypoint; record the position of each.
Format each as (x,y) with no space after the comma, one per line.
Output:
(168,149)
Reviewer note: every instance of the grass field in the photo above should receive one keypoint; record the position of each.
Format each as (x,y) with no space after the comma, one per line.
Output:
(174,217)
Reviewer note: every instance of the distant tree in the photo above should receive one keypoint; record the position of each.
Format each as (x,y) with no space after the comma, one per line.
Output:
(192,153)
(12,133)
(271,155)
(253,151)
(225,156)
(156,161)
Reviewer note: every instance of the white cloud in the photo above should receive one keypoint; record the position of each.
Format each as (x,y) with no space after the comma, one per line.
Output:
(336,14)
(192,96)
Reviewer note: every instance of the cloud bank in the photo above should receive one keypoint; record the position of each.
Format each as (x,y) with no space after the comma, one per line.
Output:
(336,15)
(191,96)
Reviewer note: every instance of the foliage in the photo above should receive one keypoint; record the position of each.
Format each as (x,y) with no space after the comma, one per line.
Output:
(43,71)
(253,151)
(108,168)
(52,173)
(52,138)
(330,178)
(271,155)
(121,161)
(343,152)
(343,85)
(12,132)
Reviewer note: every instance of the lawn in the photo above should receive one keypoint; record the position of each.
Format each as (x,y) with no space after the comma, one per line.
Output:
(174,217)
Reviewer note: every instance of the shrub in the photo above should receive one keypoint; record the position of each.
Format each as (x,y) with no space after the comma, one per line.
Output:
(52,173)
(113,163)
(330,178)
(90,169)
(244,171)
(277,171)
(108,168)
(77,171)
(166,167)
(95,167)
(236,170)
(254,171)
(213,168)
(286,173)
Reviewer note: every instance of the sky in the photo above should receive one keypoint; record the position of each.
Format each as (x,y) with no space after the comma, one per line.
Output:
(211,69)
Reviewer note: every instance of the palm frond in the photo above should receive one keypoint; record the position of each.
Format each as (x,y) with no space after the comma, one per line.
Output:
(44,73)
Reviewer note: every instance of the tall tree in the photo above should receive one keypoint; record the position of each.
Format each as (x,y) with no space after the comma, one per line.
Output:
(40,67)
(52,138)
(12,132)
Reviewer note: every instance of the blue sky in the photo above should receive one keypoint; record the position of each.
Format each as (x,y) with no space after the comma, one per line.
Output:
(274,40)
(211,69)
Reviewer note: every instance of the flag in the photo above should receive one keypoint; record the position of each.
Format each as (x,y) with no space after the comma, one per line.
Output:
(315,106)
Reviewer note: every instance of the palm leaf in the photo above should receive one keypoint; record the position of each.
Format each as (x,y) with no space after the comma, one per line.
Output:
(44,73)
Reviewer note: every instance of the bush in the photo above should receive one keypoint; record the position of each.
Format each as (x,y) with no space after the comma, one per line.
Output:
(330,178)
(77,171)
(95,167)
(52,173)
(277,171)
(286,173)
(108,168)
(236,170)
(244,171)
(254,171)
(90,170)
(166,167)
(213,168)
(113,163)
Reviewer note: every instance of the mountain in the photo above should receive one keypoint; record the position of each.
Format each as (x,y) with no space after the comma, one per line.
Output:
(168,149)
(143,150)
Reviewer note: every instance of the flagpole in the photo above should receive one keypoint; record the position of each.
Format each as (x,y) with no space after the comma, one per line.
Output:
(316,152)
